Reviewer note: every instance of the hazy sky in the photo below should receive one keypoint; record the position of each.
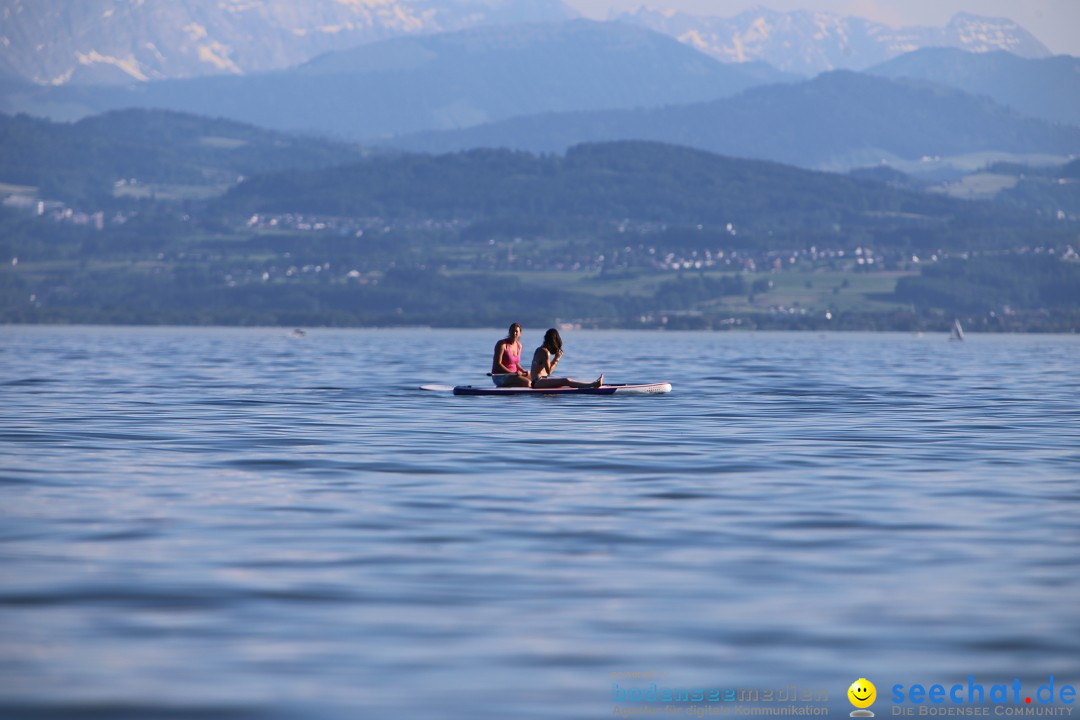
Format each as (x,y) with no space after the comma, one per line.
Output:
(1055,22)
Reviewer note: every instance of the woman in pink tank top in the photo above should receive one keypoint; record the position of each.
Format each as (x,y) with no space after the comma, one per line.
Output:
(506,370)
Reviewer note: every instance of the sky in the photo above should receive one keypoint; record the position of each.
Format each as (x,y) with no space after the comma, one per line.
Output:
(1055,22)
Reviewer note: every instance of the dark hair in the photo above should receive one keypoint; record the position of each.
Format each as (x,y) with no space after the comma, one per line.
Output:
(553,341)
(510,332)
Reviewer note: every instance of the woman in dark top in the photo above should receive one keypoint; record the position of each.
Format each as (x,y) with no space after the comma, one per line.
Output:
(545,359)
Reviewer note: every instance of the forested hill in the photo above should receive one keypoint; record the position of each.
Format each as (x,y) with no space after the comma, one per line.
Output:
(611,235)
(638,181)
(81,162)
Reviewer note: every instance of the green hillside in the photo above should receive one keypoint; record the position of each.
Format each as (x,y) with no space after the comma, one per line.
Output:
(166,153)
(689,196)
(630,234)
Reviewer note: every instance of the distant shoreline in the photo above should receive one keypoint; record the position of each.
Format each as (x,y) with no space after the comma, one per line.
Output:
(938,329)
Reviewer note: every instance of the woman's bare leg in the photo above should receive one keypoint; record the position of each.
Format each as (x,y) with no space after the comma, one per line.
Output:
(550,382)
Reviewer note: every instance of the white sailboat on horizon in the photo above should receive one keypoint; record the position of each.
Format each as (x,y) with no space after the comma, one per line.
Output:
(957,331)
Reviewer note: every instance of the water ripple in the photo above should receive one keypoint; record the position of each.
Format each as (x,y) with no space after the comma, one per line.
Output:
(271,533)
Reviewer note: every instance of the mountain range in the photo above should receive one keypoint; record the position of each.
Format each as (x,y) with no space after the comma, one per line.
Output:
(445,81)
(808,42)
(55,42)
(549,86)
(545,86)
(836,121)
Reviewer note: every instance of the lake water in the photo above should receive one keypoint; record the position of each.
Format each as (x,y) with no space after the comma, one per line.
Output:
(241,523)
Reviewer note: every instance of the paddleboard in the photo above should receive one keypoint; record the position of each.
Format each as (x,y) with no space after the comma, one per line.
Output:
(646,389)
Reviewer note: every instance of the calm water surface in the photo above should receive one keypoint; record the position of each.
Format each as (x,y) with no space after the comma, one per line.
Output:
(205,522)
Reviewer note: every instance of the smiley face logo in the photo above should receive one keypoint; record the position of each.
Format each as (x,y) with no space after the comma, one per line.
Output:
(862,693)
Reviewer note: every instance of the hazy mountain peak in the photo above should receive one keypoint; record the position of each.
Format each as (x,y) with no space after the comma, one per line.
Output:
(975,33)
(809,42)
